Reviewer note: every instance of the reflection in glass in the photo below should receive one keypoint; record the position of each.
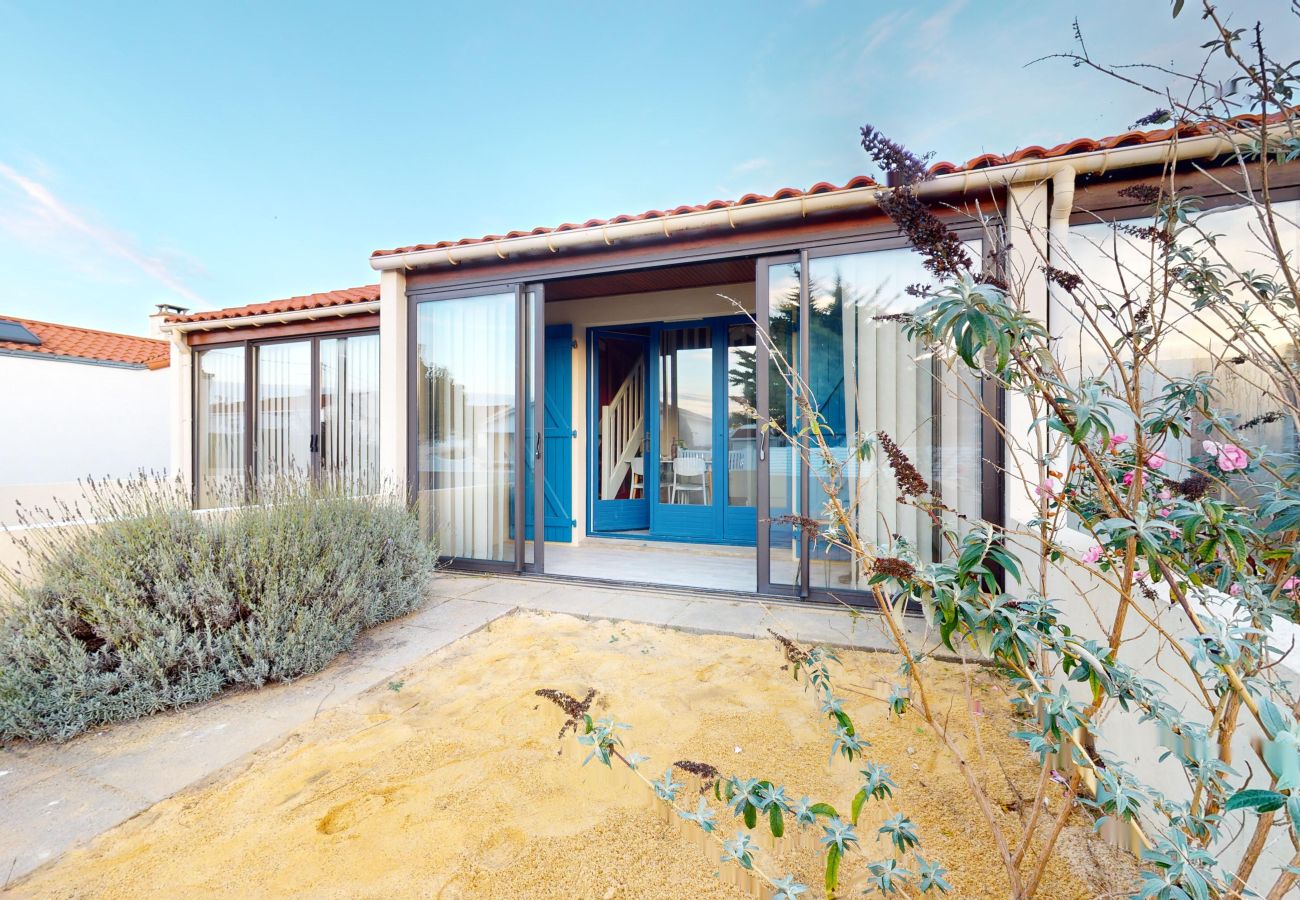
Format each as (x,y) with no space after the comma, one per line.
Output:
(465,402)
(742,401)
(349,412)
(866,377)
(686,416)
(219,411)
(1117,265)
(782,456)
(282,410)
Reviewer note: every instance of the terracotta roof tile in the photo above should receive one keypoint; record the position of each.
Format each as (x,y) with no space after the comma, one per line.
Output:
(87,343)
(325,300)
(983,161)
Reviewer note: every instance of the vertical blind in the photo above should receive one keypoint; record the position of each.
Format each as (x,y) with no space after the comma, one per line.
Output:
(465,397)
(349,408)
(868,378)
(340,405)
(219,411)
(283,410)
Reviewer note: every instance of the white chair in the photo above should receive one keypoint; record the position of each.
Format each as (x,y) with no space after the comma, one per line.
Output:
(638,478)
(689,467)
(736,459)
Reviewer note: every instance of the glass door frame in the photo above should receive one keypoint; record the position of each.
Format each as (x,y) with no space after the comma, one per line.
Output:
(529,445)
(762,369)
(250,346)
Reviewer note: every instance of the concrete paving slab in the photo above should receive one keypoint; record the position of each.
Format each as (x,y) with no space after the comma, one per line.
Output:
(42,821)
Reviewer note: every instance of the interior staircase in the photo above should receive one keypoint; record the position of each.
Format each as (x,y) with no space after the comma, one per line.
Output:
(622,431)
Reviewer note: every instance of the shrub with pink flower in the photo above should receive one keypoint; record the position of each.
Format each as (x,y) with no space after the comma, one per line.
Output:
(1091,555)
(1229,457)
(1116,440)
(1157,460)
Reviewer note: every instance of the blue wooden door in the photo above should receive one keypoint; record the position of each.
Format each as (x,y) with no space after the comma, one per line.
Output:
(558,432)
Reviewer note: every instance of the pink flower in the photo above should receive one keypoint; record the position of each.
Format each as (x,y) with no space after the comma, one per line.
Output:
(1163,512)
(1157,460)
(1128,478)
(1091,555)
(1116,440)
(1230,457)
(1166,494)
(1234,589)
(1047,488)
(1291,585)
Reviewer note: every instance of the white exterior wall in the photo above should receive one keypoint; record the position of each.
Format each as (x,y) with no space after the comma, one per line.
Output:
(66,420)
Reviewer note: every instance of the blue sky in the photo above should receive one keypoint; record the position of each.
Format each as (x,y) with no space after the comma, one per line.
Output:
(213,154)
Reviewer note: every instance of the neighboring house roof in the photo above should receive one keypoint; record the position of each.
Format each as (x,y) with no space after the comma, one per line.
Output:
(324,300)
(72,342)
(984,161)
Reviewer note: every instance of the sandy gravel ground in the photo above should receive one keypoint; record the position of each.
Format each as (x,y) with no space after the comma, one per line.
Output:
(452,783)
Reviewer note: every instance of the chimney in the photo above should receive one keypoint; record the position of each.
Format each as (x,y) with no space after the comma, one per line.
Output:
(156,319)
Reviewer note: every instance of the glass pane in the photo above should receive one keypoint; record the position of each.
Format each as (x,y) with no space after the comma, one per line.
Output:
(866,379)
(620,429)
(742,402)
(686,416)
(465,438)
(283,410)
(219,412)
(349,412)
(1117,264)
(530,425)
(782,454)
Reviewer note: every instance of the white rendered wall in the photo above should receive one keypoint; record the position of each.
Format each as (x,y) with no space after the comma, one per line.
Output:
(66,420)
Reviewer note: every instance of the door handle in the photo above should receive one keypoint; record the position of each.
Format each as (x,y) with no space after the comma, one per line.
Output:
(314,446)
(762,445)
(537,446)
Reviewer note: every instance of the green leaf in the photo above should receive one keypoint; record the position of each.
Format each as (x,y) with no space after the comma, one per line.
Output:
(717,789)
(751,815)
(775,820)
(858,801)
(832,869)
(1255,798)
(823,809)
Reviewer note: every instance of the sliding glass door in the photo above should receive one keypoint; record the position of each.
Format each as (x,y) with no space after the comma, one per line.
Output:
(476,444)
(836,354)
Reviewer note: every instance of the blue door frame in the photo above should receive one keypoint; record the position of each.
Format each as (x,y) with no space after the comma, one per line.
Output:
(715,523)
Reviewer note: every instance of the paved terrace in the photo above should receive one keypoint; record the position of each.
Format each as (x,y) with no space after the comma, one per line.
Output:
(56,796)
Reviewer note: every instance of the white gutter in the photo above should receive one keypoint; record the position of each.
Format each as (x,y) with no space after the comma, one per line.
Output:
(297,315)
(1097,161)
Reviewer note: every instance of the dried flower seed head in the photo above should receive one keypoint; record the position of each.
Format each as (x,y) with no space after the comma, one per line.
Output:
(794,654)
(900,165)
(708,774)
(1157,116)
(575,709)
(1194,487)
(910,481)
(893,567)
(945,254)
(1143,193)
(1071,281)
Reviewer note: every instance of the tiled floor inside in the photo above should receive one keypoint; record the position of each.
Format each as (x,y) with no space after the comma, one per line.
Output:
(708,566)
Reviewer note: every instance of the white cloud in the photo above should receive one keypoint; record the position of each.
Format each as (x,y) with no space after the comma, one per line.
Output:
(48,224)
(751,165)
